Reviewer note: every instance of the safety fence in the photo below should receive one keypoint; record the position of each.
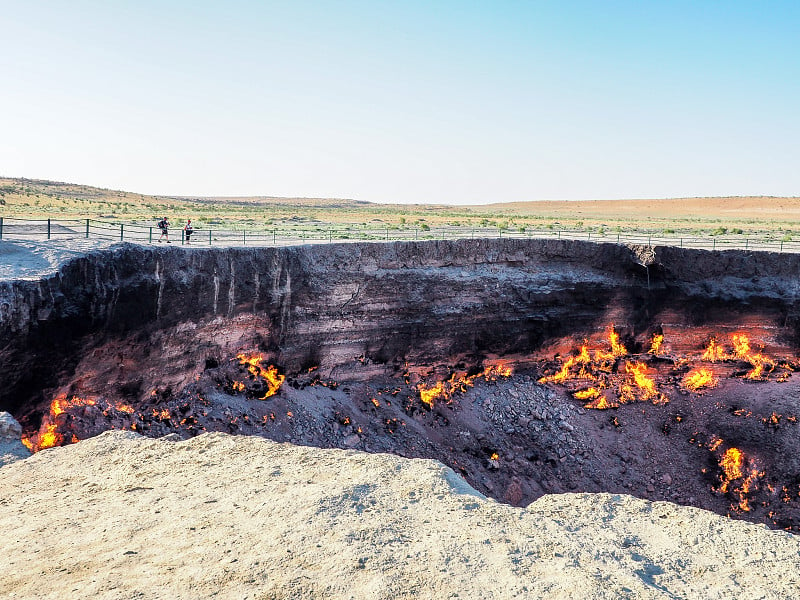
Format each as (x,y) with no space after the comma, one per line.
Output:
(12,228)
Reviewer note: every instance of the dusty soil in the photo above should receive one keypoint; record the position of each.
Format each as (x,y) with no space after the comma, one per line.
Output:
(757,209)
(121,516)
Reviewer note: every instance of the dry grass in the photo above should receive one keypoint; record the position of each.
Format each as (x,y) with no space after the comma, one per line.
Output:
(27,198)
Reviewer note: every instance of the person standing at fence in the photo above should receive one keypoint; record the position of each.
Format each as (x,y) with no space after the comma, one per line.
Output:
(188,229)
(163,225)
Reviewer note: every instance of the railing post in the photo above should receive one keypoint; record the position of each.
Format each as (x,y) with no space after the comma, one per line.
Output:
(618,237)
(781,245)
(1,228)
(151,235)
(183,237)
(87,229)
(121,232)
(745,243)
(209,236)
(649,242)
(244,237)
(387,234)
(48,229)
(589,239)
(415,233)
(559,234)
(330,235)
(714,244)
(274,238)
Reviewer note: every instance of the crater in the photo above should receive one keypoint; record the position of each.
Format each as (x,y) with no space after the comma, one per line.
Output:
(528,366)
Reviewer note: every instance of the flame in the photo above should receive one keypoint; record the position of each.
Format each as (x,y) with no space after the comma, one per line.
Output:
(428,394)
(617,349)
(601,403)
(49,435)
(237,386)
(271,375)
(643,388)
(495,456)
(163,414)
(714,352)
(655,344)
(587,394)
(442,391)
(734,464)
(700,378)
(583,359)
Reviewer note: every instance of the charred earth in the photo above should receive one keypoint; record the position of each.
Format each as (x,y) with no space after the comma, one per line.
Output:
(528,366)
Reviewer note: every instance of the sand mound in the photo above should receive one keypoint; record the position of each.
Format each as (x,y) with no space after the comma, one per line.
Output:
(122,516)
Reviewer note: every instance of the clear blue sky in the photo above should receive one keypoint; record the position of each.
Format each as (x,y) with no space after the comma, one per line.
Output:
(412,101)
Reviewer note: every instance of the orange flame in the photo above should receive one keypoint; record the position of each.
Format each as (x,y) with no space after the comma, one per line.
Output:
(617,349)
(48,435)
(587,394)
(271,375)
(643,388)
(700,378)
(442,391)
(734,467)
(714,352)
(655,344)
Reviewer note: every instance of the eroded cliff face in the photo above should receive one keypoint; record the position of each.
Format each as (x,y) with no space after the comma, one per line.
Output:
(342,306)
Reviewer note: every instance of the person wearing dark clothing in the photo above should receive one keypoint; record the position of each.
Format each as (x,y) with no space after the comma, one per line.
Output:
(163,225)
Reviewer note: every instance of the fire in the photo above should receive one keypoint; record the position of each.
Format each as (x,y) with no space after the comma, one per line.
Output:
(737,467)
(237,386)
(655,344)
(762,365)
(601,403)
(49,435)
(700,378)
(714,352)
(271,375)
(442,391)
(643,388)
(587,394)
(436,392)
(162,415)
(617,349)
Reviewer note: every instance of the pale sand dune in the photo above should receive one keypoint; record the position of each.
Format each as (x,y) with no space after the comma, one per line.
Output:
(121,516)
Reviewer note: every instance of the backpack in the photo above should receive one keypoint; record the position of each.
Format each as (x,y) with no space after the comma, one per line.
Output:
(162,224)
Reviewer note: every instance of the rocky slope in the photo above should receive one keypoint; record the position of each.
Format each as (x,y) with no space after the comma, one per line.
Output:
(121,516)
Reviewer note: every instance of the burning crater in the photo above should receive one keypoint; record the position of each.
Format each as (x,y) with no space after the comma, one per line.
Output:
(529,367)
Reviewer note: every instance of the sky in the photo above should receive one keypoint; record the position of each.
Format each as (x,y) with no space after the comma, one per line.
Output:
(455,102)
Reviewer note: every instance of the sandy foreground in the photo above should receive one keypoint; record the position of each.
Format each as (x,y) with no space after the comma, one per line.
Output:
(122,516)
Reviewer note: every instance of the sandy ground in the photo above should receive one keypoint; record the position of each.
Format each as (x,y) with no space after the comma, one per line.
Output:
(121,516)
(35,259)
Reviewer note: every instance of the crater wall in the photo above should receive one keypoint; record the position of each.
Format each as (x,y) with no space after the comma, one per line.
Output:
(383,304)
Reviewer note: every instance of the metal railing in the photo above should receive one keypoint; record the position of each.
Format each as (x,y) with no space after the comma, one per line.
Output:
(12,228)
